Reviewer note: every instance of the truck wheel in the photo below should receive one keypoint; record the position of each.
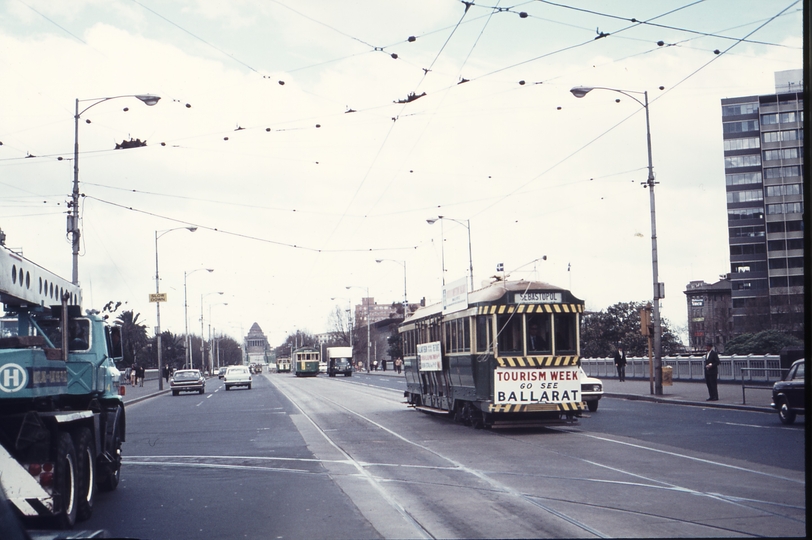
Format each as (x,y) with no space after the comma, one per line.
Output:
(86,473)
(592,406)
(65,482)
(114,432)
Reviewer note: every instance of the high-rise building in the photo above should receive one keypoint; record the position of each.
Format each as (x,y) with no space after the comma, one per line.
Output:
(763,151)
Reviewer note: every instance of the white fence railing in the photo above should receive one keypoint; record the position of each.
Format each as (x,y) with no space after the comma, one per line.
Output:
(765,368)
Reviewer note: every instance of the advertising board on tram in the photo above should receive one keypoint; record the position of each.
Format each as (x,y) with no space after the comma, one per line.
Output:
(525,386)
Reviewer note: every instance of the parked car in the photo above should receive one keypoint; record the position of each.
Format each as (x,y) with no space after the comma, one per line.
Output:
(237,376)
(591,391)
(187,380)
(788,393)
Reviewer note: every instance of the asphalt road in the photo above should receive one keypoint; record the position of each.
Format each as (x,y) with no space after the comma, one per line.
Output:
(345,458)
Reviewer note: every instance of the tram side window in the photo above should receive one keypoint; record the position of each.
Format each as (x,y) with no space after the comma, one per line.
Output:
(538,334)
(465,334)
(483,335)
(565,336)
(509,334)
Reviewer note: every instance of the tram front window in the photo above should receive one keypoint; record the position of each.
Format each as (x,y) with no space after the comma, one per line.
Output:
(509,334)
(538,334)
(565,325)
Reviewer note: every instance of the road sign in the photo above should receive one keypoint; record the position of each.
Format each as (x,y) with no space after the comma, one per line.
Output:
(157,297)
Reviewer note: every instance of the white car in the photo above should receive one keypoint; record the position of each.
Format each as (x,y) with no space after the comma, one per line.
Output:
(237,376)
(591,390)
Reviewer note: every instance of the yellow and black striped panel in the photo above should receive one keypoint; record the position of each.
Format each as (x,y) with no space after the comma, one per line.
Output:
(530,308)
(536,361)
(536,407)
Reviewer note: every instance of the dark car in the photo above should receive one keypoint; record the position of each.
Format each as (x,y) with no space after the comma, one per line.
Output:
(339,366)
(187,380)
(788,394)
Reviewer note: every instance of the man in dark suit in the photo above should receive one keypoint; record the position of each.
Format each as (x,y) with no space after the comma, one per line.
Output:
(620,364)
(712,372)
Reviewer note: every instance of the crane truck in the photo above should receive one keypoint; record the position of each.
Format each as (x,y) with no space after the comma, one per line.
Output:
(62,418)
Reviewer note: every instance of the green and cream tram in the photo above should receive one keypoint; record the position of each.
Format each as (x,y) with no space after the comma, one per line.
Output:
(305,362)
(508,356)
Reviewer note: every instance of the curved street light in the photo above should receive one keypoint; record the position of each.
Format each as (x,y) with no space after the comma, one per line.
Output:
(158,301)
(202,335)
(405,301)
(186,314)
(73,217)
(658,288)
(467,225)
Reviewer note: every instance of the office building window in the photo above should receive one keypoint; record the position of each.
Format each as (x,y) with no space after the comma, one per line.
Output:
(778,264)
(747,232)
(742,144)
(782,172)
(786,208)
(747,249)
(778,118)
(795,262)
(746,195)
(780,281)
(750,160)
(736,214)
(738,179)
(739,109)
(783,153)
(740,127)
(795,243)
(796,281)
(781,136)
(750,266)
(782,191)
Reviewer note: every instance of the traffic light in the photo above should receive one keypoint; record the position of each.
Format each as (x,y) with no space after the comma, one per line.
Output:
(645,320)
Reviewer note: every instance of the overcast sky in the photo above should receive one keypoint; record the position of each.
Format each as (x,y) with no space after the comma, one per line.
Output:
(282,134)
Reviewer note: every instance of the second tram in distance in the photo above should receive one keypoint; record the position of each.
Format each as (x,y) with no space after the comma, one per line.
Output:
(509,355)
(305,362)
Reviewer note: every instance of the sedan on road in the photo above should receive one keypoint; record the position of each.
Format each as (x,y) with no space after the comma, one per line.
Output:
(187,380)
(591,391)
(237,376)
(788,394)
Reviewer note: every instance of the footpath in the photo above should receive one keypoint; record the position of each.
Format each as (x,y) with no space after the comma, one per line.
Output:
(680,393)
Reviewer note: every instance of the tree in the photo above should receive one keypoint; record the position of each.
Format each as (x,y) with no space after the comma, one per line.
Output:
(340,325)
(230,351)
(133,336)
(764,342)
(173,350)
(602,331)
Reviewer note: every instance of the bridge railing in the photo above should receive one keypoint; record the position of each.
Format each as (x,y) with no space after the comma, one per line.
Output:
(765,369)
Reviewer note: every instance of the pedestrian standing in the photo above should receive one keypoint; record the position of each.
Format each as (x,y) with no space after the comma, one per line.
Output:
(620,364)
(133,374)
(166,372)
(712,372)
(140,376)
(398,364)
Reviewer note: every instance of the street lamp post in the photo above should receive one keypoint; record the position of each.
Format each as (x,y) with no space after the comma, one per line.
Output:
(202,335)
(405,301)
(208,364)
(369,346)
(467,225)
(186,315)
(73,217)
(158,302)
(658,288)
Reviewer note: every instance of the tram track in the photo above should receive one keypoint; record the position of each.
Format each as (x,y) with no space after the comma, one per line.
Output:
(487,485)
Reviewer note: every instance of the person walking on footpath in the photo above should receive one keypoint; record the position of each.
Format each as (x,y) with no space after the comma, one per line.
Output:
(620,364)
(140,376)
(712,372)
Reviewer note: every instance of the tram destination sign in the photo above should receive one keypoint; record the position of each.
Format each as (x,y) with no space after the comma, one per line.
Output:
(512,386)
(537,298)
